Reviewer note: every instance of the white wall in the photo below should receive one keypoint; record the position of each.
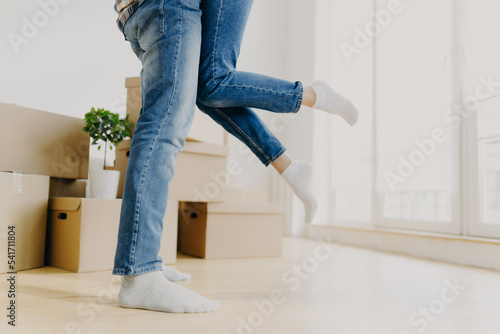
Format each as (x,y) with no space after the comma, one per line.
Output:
(77,60)
(301,64)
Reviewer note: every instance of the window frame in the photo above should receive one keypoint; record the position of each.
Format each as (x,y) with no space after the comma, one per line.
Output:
(472,175)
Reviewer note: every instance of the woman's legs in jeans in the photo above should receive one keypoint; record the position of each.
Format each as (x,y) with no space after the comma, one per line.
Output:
(166,36)
(226,94)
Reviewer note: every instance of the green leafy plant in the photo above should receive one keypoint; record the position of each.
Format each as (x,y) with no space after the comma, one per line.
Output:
(105,126)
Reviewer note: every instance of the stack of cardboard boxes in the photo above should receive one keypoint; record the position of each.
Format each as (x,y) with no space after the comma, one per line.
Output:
(38,149)
(43,173)
(43,210)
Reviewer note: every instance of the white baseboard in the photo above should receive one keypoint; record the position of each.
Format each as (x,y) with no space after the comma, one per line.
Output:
(478,252)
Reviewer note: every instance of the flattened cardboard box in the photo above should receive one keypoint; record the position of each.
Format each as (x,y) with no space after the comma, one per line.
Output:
(45,143)
(199,172)
(23,204)
(82,233)
(222,230)
(203,129)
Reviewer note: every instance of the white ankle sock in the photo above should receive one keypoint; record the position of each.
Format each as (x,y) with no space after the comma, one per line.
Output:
(330,101)
(174,275)
(299,177)
(151,291)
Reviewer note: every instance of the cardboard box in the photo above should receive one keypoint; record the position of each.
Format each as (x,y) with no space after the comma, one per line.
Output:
(45,143)
(200,172)
(256,196)
(240,195)
(204,129)
(82,233)
(67,187)
(221,230)
(134,102)
(23,204)
(234,195)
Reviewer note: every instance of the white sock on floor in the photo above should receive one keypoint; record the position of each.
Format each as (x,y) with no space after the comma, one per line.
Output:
(151,291)
(330,101)
(174,275)
(299,177)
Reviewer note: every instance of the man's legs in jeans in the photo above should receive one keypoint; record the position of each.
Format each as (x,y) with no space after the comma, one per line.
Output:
(166,37)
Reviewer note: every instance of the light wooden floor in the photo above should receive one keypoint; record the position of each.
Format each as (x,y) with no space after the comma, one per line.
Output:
(348,291)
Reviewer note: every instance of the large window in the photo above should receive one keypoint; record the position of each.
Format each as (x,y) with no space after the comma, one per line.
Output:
(426,77)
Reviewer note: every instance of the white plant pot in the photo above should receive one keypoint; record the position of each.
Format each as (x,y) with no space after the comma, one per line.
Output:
(104,183)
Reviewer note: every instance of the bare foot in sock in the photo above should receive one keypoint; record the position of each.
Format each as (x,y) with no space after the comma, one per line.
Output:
(298,175)
(151,291)
(330,101)
(174,275)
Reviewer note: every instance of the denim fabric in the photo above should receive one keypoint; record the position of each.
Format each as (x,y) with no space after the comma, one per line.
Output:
(226,95)
(169,36)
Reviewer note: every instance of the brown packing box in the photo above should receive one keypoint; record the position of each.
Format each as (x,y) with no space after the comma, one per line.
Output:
(199,172)
(23,204)
(221,230)
(45,143)
(203,129)
(82,233)
(134,103)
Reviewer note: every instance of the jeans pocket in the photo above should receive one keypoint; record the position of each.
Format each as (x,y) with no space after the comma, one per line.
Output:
(146,25)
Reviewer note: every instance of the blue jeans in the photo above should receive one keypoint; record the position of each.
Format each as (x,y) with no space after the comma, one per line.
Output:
(188,50)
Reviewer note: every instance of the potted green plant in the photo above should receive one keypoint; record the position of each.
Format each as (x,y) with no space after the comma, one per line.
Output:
(105,127)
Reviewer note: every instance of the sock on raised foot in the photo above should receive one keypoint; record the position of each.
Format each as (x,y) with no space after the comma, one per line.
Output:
(299,177)
(151,291)
(174,275)
(330,101)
